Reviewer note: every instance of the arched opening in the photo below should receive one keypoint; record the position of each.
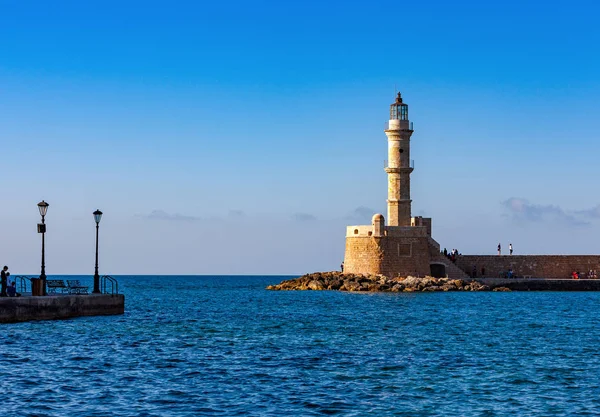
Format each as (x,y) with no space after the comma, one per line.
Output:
(438,270)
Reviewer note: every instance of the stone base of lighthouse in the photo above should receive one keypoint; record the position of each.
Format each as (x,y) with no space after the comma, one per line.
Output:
(396,250)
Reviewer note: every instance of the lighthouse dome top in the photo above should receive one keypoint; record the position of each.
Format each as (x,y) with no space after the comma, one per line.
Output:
(398,109)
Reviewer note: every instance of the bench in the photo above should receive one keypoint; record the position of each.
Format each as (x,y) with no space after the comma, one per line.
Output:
(75,287)
(56,284)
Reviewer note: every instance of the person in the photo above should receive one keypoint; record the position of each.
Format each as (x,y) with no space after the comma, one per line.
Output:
(574,275)
(474,274)
(483,271)
(445,252)
(12,289)
(510,273)
(499,249)
(3,277)
(342,266)
(510,248)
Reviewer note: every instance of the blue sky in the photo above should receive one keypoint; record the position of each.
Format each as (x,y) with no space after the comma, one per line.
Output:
(241,137)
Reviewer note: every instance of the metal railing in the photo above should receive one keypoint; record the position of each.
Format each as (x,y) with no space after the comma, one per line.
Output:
(114,285)
(21,281)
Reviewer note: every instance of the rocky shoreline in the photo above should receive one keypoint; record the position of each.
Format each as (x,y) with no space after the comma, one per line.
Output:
(338,281)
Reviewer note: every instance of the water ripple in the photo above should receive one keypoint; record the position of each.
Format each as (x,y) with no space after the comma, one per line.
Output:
(208,346)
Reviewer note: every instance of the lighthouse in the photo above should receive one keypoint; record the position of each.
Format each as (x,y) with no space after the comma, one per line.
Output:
(403,245)
(399,130)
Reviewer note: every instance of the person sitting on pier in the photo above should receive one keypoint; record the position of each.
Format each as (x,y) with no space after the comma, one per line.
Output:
(12,290)
(574,275)
(510,273)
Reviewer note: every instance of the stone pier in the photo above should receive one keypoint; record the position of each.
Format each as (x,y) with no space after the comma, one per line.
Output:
(54,307)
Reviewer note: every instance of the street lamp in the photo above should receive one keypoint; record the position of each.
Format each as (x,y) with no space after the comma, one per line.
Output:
(97,217)
(43,207)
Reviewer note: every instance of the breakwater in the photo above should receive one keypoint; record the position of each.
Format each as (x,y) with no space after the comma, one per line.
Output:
(535,266)
(379,283)
(338,281)
(53,307)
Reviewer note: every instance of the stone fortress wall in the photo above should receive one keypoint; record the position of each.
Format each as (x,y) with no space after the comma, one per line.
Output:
(391,256)
(535,266)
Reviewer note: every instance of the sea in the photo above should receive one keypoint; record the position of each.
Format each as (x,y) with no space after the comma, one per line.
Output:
(226,346)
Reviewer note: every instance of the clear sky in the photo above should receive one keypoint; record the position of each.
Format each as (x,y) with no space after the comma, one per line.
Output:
(241,137)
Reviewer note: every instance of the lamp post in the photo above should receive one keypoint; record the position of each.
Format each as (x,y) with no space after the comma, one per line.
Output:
(97,217)
(43,207)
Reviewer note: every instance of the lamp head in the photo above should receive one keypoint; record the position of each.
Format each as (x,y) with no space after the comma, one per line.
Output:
(97,216)
(43,207)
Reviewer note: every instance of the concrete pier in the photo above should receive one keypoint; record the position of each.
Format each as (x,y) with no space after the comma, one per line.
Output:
(55,307)
(541,284)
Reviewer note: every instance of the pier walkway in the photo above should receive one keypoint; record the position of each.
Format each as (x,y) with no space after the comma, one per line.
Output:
(59,306)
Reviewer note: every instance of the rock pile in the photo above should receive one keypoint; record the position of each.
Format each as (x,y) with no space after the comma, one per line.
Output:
(378,283)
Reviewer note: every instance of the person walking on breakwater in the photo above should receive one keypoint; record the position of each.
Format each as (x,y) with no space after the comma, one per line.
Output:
(510,248)
(342,267)
(4,276)
(499,249)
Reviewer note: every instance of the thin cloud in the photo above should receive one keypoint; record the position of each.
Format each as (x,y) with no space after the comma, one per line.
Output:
(163,215)
(361,214)
(593,213)
(236,214)
(303,217)
(521,210)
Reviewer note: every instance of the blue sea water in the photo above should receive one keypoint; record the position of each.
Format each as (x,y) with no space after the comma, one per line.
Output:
(225,346)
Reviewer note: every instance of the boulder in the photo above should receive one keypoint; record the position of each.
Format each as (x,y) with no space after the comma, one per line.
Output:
(351,286)
(315,285)
(458,283)
(335,284)
(398,288)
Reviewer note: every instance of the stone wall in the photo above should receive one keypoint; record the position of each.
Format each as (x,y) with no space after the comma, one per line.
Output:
(363,255)
(404,256)
(52,307)
(537,266)
(390,255)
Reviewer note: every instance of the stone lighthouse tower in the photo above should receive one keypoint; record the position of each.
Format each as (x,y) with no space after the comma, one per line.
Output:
(398,132)
(404,245)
